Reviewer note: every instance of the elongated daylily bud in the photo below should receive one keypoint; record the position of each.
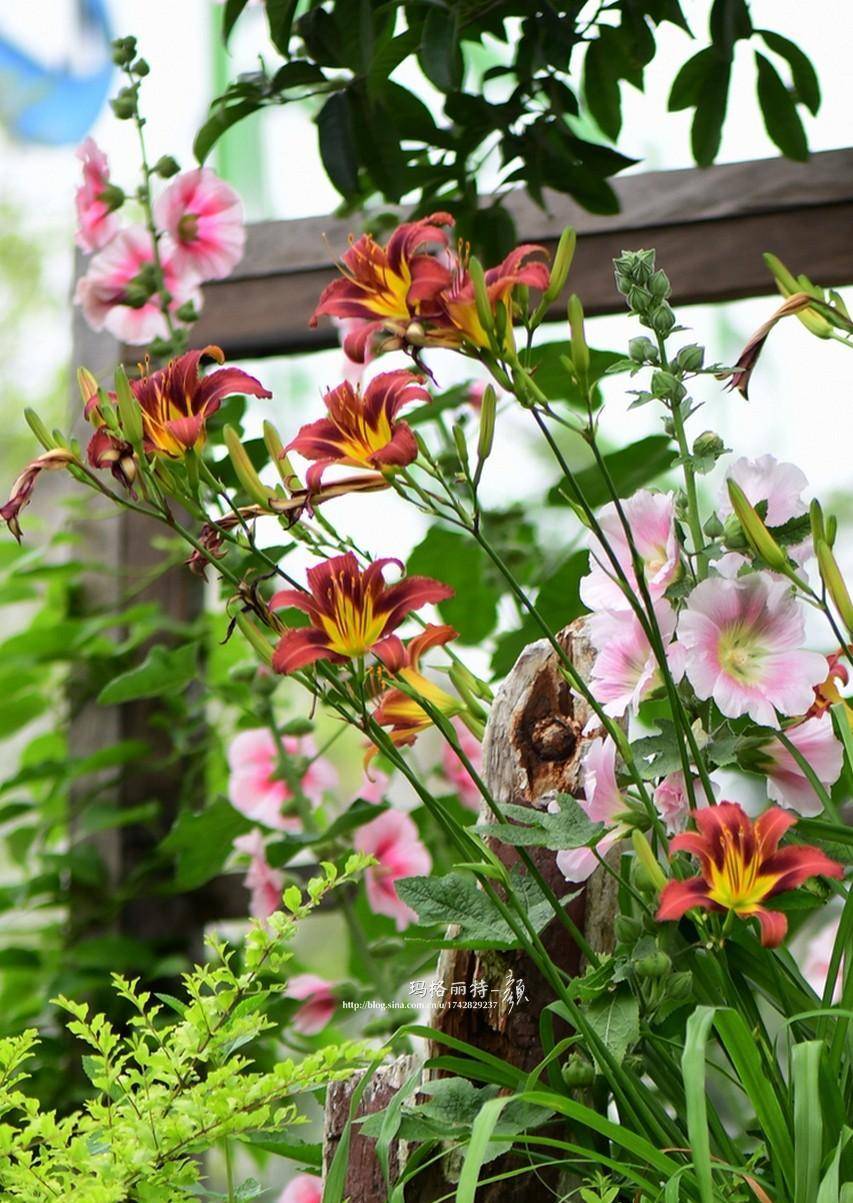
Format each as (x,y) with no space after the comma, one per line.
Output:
(757,534)
(275,447)
(481,296)
(461,686)
(580,350)
(836,587)
(788,285)
(488,409)
(648,859)
(461,673)
(461,445)
(816,520)
(39,429)
(244,468)
(129,411)
(254,636)
(831,529)
(563,257)
(87,385)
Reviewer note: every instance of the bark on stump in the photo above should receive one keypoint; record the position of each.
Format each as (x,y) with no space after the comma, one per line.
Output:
(532,751)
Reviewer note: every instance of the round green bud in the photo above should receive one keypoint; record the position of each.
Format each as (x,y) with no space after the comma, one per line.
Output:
(708,443)
(166,167)
(656,964)
(627,928)
(578,1073)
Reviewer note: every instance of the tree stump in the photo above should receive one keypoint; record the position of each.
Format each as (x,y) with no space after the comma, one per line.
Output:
(533,749)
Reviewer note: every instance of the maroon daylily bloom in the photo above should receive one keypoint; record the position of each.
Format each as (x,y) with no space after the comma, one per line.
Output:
(350,610)
(176,402)
(361,429)
(21,492)
(104,450)
(521,266)
(740,377)
(741,866)
(389,286)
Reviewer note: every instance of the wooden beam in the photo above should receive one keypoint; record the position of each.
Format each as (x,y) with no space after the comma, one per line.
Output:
(708,226)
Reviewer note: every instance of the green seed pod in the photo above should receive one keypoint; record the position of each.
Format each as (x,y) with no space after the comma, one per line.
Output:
(656,964)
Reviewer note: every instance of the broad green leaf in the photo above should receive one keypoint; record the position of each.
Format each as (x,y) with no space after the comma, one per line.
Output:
(601,86)
(337,148)
(454,900)
(440,52)
(164,671)
(630,469)
(802,72)
(280,15)
(808,1119)
(707,128)
(568,828)
(201,842)
(282,851)
(230,16)
(686,91)
(222,116)
(456,560)
(616,1020)
(781,119)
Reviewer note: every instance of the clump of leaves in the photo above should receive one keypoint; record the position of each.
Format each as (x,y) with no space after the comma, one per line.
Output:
(175,1083)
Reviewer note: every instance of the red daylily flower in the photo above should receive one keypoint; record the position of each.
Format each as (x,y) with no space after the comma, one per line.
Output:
(22,489)
(176,402)
(390,286)
(361,429)
(519,267)
(742,866)
(827,693)
(396,709)
(104,450)
(351,611)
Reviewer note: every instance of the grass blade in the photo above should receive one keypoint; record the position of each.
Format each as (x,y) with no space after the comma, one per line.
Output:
(808,1119)
(693,1072)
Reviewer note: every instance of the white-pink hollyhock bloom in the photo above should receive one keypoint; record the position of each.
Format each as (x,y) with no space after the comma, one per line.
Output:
(815,963)
(766,479)
(318,1002)
(304,1188)
(625,670)
(672,801)
(265,884)
(103,291)
(96,224)
(455,771)
(374,788)
(602,802)
(741,643)
(393,839)
(253,786)
(204,218)
(787,784)
(651,518)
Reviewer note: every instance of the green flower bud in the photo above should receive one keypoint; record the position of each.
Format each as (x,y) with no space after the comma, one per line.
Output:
(166,167)
(643,350)
(578,1073)
(690,358)
(757,534)
(680,985)
(140,68)
(835,584)
(656,964)
(662,320)
(562,262)
(626,928)
(124,104)
(709,443)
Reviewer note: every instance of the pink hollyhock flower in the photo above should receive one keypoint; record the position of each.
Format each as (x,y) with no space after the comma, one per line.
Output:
(318,1004)
(454,770)
(741,644)
(374,789)
(304,1188)
(765,479)
(204,218)
(602,802)
(787,784)
(256,791)
(625,671)
(265,884)
(651,517)
(815,964)
(96,223)
(672,801)
(393,839)
(103,292)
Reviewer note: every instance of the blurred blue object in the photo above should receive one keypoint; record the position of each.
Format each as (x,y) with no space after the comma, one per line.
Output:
(58,105)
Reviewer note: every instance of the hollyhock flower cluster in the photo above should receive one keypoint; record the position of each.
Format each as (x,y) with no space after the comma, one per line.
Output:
(417,291)
(742,866)
(265,884)
(200,236)
(255,786)
(318,1002)
(304,1188)
(602,803)
(393,839)
(456,772)
(651,519)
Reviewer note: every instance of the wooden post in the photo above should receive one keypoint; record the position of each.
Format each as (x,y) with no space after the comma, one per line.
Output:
(532,751)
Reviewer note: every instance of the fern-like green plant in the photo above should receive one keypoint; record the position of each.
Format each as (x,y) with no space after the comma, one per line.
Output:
(174,1084)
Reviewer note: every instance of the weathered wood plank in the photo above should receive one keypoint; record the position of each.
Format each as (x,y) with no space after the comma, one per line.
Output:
(709,227)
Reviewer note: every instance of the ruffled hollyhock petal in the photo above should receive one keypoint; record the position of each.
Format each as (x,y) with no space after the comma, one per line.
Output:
(318,1002)
(651,519)
(787,784)
(767,480)
(204,218)
(304,1188)
(393,839)
(96,224)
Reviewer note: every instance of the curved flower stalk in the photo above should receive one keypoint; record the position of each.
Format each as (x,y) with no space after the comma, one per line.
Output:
(351,610)
(742,867)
